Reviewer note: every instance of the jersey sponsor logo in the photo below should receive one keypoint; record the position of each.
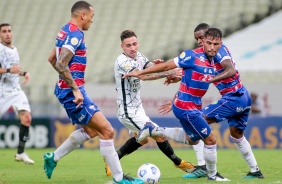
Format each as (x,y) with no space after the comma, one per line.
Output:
(182,55)
(135,85)
(61,35)
(187,58)
(81,117)
(202,58)
(74,41)
(92,107)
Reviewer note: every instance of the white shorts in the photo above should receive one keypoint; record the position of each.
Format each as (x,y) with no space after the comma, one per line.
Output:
(135,122)
(17,101)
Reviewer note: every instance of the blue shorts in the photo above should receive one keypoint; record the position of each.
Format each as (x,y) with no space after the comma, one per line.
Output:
(234,107)
(193,122)
(82,114)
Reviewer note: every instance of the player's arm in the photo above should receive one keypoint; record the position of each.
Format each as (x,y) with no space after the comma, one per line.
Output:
(228,71)
(159,75)
(154,69)
(52,58)
(63,68)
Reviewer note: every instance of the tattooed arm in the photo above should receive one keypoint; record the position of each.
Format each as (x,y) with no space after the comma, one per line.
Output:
(63,68)
(159,75)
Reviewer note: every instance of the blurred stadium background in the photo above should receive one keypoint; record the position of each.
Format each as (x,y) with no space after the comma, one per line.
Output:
(252,30)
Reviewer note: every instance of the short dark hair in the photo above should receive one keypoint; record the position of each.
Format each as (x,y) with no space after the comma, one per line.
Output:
(4,24)
(202,26)
(80,5)
(127,34)
(213,32)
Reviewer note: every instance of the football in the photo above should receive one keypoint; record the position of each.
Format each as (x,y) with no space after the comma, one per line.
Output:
(149,173)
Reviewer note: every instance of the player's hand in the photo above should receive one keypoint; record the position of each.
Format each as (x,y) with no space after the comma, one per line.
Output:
(165,108)
(78,97)
(26,78)
(132,74)
(158,61)
(172,79)
(16,69)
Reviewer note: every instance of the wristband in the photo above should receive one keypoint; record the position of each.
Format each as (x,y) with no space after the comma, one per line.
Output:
(24,73)
(8,70)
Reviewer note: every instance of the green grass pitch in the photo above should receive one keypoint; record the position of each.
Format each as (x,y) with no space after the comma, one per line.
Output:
(87,166)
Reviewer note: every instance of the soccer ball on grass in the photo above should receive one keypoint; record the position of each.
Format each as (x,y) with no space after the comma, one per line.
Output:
(149,173)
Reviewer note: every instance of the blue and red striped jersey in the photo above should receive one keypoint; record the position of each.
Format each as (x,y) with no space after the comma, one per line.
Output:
(197,70)
(231,84)
(72,38)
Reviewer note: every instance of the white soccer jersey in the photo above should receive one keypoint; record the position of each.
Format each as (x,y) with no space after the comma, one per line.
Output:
(10,89)
(128,89)
(8,58)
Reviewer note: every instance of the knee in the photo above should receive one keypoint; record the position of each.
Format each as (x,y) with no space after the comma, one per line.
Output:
(210,140)
(108,132)
(160,139)
(236,133)
(145,141)
(25,118)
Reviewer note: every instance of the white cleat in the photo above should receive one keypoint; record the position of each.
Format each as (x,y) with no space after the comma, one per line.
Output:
(23,157)
(145,132)
(218,177)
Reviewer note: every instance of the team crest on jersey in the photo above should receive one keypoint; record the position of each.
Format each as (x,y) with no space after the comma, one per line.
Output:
(74,41)
(182,55)
(204,131)
(127,66)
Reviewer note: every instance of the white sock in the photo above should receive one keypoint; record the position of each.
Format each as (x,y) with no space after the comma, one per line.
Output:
(210,156)
(245,149)
(108,151)
(74,141)
(199,150)
(176,134)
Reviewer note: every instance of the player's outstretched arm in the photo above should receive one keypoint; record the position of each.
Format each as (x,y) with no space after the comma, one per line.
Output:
(155,69)
(176,72)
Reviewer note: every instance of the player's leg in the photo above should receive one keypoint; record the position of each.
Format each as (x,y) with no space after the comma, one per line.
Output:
(22,108)
(133,123)
(106,134)
(236,127)
(77,137)
(166,148)
(197,128)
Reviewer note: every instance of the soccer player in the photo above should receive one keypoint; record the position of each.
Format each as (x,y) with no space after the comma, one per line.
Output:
(198,70)
(11,93)
(69,59)
(130,111)
(233,106)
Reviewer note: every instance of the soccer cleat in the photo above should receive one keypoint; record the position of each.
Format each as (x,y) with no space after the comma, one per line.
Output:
(107,169)
(23,157)
(252,175)
(185,166)
(49,164)
(218,177)
(145,132)
(129,180)
(198,172)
